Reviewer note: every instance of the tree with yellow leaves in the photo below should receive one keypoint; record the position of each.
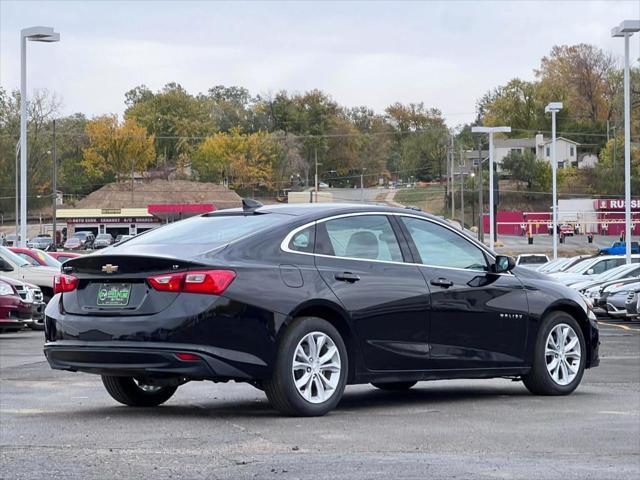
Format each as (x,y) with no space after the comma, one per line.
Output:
(117,148)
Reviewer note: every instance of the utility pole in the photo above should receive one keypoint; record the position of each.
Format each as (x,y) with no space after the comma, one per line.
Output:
(452,182)
(17,192)
(480,195)
(553,108)
(55,187)
(316,178)
(461,163)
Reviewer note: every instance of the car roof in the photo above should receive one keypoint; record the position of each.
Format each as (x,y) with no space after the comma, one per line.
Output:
(324,209)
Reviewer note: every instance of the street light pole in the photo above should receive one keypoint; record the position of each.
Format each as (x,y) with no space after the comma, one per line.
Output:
(55,188)
(34,34)
(554,107)
(491,131)
(362,185)
(626,29)
(480,195)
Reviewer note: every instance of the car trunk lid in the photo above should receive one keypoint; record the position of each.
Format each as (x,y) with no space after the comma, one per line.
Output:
(117,284)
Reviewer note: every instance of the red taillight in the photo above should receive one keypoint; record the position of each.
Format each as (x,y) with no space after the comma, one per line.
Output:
(212,282)
(187,357)
(64,283)
(167,283)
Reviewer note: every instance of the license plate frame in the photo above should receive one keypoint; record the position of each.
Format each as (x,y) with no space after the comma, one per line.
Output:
(113,295)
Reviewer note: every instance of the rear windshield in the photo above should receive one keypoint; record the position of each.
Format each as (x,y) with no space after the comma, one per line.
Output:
(209,231)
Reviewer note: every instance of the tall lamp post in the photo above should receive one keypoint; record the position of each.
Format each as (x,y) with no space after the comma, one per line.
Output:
(33,34)
(553,108)
(491,131)
(625,30)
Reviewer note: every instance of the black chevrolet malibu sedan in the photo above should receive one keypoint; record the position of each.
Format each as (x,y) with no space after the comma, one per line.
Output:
(301,300)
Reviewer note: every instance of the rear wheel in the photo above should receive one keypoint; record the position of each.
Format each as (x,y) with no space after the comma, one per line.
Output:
(394,386)
(311,368)
(559,357)
(134,393)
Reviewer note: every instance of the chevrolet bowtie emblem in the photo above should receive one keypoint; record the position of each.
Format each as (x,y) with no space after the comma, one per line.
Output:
(108,268)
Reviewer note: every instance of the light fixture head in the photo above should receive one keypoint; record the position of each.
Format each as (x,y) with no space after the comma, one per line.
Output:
(40,34)
(553,107)
(626,27)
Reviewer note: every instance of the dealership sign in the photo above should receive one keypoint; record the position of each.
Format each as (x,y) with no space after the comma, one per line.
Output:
(85,220)
(616,204)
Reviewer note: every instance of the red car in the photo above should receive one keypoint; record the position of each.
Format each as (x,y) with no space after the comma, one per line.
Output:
(14,312)
(36,257)
(63,256)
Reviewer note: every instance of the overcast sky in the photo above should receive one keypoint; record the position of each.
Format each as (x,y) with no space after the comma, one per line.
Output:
(445,54)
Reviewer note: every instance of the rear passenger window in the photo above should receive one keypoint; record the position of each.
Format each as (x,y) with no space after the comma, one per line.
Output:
(367,237)
(303,240)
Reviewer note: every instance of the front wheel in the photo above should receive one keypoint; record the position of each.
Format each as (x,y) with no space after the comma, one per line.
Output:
(310,371)
(134,393)
(559,357)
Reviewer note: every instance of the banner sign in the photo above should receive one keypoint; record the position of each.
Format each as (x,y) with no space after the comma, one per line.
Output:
(113,220)
(616,204)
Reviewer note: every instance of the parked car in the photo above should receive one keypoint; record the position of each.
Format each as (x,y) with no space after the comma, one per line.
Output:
(562,264)
(33,299)
(14,266)
(632,305)
(531,260)
(10,240)
(14,311)
(300,300)
(36,257)
(103,240)
(586,270)
(566,229)
(599,296)
(616,300)
(80,241)
(620,248)
(64,256)
(617,273)
(42,242)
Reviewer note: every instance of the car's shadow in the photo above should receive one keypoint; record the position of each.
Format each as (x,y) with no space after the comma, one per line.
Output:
(370,400)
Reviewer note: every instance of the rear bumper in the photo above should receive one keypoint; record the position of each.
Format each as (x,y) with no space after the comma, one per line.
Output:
(134,359)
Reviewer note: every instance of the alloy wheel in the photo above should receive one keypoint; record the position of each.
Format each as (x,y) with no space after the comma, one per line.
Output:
(316,367)
(562,354)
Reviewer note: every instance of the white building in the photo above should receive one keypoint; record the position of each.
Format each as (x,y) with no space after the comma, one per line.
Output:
(567,151)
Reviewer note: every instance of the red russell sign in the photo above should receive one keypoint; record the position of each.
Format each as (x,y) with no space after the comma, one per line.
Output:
(616,204)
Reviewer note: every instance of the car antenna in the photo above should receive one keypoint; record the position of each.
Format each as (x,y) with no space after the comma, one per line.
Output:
(249,204)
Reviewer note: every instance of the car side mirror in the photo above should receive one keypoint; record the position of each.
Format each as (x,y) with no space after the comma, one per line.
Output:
(4,266)
(504,263)
(590,271)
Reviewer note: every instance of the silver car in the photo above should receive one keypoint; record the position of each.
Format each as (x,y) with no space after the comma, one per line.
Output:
(103,240)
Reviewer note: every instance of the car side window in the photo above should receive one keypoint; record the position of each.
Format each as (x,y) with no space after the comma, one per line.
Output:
(303,241)
(367,237)
(438,246)
(29,259)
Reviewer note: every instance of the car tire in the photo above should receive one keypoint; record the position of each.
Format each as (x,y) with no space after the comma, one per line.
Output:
(394,386)
(563,376)
(327,378)
(37,327)
(129,392)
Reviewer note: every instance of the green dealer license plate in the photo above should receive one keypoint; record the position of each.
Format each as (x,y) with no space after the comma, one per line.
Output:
(113,294)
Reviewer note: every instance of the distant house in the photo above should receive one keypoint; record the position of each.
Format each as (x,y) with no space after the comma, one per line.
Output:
(568,152)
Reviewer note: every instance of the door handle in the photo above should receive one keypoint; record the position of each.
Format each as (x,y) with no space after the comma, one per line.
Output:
(347,277)
(441,282)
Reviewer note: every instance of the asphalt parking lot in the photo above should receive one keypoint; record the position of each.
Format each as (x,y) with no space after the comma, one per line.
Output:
(64,425)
